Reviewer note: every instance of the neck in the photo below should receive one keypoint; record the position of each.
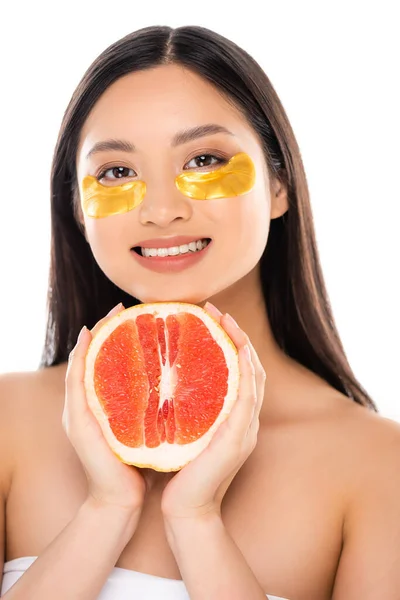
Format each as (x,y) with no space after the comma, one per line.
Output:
(244,301)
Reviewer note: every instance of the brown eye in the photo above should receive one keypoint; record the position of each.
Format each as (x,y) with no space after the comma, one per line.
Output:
(203,160)
(120,172)
(114,173)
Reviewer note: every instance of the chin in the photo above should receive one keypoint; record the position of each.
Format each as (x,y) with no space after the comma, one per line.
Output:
(170,296)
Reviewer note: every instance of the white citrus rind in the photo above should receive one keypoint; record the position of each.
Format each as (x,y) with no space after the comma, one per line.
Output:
(165,457)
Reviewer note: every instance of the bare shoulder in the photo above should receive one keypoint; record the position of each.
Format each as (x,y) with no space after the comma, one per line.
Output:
(307,407)
(364,438)
(369,446)
(366,444)
(28,402)
(355,430)
(356,449)
(366,447)
(23,394)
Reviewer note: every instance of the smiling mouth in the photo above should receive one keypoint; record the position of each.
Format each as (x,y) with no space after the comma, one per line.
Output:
(167,252)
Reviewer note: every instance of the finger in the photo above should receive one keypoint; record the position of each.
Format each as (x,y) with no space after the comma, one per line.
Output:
(230,441)
(213,311)
(241,339)
(75,398)
(256,361)
(252,432)
(260,379)
(229,447)
(260,385)
(238,337)
(114,311)
(254,390)
(242,413)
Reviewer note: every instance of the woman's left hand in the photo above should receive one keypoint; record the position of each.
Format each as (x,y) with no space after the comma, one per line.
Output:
(199,487)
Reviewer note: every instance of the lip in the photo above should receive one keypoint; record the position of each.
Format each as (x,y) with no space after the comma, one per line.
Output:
(171,264)
(168,242)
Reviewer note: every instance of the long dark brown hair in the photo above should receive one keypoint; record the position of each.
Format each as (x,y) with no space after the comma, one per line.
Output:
(293,286)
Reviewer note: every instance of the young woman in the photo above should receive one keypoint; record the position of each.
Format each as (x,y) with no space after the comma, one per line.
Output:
(298,493)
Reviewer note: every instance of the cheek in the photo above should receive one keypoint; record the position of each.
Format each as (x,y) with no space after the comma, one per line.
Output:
(247,220)
(105,239)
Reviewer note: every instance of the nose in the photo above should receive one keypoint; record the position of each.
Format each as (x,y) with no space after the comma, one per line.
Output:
(164,204)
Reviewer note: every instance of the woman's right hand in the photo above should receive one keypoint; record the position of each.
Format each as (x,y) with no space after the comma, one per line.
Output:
(110,481)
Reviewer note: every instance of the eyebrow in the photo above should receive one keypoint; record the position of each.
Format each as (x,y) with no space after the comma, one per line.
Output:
(187,135)
(182,137)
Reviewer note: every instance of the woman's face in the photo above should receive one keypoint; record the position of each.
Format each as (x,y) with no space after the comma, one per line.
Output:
(149,111)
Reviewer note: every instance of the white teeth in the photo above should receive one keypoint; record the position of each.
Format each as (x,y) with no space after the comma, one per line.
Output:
(175,250)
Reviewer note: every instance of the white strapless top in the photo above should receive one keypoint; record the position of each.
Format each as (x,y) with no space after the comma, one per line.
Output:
(122,584)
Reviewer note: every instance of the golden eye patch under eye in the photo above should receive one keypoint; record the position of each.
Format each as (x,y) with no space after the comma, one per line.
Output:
(235,178)
(103,201)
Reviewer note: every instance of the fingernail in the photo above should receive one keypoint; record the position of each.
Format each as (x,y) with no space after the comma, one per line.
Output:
(231,319)
(116,309)
(81,333)
(212,308)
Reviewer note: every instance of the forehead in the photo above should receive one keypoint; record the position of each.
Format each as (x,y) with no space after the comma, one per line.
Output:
(159,102)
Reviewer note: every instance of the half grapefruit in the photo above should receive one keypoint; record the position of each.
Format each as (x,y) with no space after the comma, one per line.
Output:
(160,378)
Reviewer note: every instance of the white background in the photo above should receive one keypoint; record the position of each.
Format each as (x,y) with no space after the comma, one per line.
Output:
(336,70)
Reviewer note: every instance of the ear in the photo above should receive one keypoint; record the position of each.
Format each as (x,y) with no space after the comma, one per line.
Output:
(279,198)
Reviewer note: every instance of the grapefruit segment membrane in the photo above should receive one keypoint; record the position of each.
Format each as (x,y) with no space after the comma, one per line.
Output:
(160,378)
